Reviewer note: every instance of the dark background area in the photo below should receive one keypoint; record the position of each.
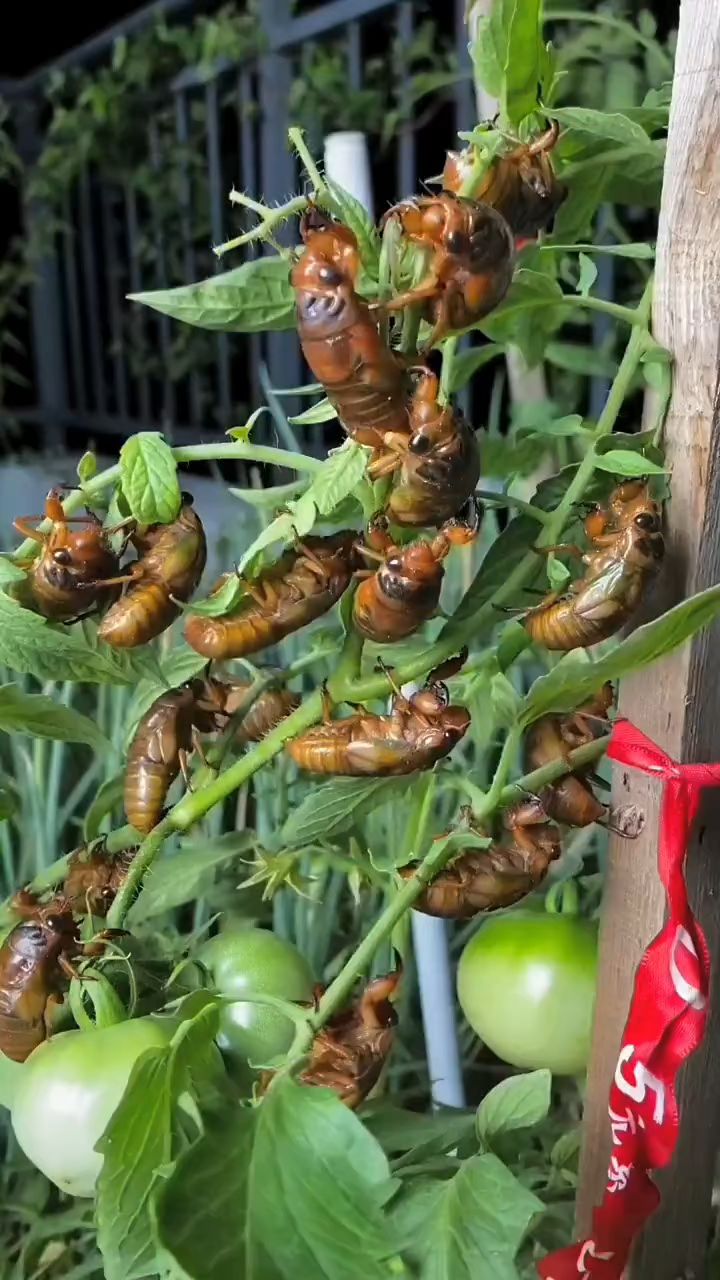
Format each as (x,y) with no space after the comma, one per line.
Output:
(29,43)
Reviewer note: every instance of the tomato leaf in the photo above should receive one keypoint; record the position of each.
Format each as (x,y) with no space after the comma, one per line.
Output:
(38,715)
(573,681)
(588,275)
(341,473)
(613,125)
(516,1103)
(469,1225)
(628,462)
(249,299)
(523,53)
(10,572)
(180,877)
(28,644)
(86,467)
(579,359)
(314,1154)
(415,1134)
(638,250)
(137,1144)
(200,1212)
(335,806)
(504,699)
(148,474)
(323,411)
(466,364)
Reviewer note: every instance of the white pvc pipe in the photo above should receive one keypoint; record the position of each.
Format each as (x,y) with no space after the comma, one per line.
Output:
(347,162)
(437,1001)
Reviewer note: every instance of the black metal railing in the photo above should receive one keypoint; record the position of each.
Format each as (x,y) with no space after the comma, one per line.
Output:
(85,379)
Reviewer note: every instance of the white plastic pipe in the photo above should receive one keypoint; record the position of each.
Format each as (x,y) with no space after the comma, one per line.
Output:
(437,1001)
(347,162)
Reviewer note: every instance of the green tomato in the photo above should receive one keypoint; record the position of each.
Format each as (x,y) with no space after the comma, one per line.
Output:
(255,962)
(68,1090)
(526,984)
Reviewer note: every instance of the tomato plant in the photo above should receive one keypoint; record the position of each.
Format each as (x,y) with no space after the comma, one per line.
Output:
(363,761)
(526,984)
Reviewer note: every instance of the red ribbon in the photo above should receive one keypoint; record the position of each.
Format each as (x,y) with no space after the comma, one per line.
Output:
(665,1025)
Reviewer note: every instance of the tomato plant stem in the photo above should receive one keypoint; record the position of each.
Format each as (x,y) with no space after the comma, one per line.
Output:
(500,795)
(237,450)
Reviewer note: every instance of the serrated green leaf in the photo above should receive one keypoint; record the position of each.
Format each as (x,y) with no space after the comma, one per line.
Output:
(249,299)
(504,699)
(28,644)
(137,1145)
(182,877)
(200,1212)
(572,681)
(466,364)
(612,125)
(148,474)
(558,573)
(572,425)
(274,496)
(342,472)
(323,411)
(468,1225)
(643,252)
(414,1133)
(222,598)
(588,275)
(523,56)
(10,572)
(86,467)
(626,462)
(39,716)
(516,1103)
(575,358)
(335,806)
(489,51)
(314,1154)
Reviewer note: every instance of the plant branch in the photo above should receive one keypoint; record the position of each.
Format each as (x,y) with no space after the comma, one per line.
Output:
(239,450)
(297,141)
(270,219)
(196,804)
(499,796)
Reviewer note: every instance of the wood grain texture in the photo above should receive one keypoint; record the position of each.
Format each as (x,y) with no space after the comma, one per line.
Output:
(677,702)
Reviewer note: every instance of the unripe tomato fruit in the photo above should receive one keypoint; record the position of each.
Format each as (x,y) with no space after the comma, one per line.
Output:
(526,984)
(255,962)
(69,1088)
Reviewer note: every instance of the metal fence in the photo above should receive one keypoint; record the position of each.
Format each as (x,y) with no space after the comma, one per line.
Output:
(86,383)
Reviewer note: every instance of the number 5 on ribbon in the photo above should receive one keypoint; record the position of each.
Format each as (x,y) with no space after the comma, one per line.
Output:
(644,1080)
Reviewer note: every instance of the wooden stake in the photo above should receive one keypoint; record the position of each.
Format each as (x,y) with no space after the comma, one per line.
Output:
(678,701)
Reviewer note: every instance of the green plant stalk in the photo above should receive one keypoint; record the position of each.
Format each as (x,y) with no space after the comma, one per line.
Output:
(196,804)
(52,875)
(270,219)
(238,450)
(500,795)
(296,138)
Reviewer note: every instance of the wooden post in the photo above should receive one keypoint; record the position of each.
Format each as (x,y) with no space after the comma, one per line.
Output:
(678,701)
